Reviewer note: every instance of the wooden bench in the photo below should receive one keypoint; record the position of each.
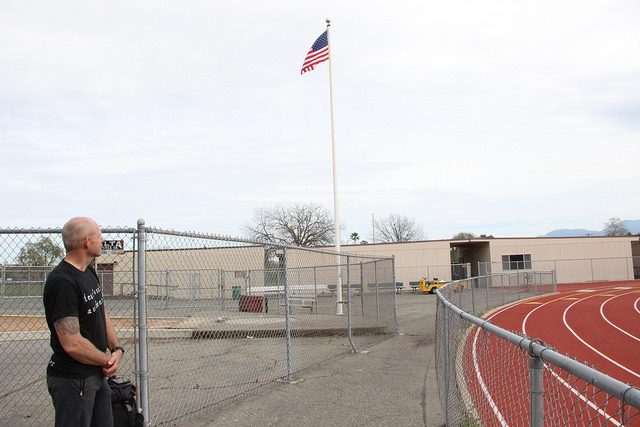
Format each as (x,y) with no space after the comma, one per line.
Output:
(414,286)
(302,301)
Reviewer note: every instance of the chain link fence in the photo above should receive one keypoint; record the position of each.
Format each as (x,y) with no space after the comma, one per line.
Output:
(573,270)
(24,336)
(567,270)
(489,376)
(203,318)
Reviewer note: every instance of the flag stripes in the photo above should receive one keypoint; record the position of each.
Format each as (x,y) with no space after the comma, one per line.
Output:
(318,53)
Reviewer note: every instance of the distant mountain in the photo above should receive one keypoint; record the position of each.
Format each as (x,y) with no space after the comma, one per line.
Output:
(573,232)
(632,225)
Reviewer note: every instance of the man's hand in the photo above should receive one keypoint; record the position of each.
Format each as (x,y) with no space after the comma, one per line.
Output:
(113,364)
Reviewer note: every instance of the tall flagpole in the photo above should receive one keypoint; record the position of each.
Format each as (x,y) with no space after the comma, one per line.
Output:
(336,214)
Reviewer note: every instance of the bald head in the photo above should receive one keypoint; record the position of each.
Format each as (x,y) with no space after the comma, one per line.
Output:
(76,230)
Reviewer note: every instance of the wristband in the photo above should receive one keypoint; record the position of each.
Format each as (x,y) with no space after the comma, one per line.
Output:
(114,349)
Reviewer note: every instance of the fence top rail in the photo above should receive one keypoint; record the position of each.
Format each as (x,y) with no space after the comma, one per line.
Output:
(624,392)
(198,235)
(58,230)
(30,230)
(193,234)
(274,245)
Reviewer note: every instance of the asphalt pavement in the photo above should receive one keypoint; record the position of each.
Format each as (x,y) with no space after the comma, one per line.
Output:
(392,383)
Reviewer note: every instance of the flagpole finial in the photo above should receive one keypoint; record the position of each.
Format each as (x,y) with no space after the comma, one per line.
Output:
(328,21)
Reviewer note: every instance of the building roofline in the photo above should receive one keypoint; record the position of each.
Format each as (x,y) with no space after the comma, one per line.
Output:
(489,239)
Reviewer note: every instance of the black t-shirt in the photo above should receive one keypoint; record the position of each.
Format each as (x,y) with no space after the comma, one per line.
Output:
(71,292)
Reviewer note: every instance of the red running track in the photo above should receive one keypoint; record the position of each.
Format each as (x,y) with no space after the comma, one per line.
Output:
(598,323)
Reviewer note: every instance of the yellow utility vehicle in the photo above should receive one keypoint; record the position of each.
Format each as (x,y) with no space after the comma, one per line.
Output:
(430,285)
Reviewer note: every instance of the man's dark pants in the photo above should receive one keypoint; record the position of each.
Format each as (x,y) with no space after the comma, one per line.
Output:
(81,402)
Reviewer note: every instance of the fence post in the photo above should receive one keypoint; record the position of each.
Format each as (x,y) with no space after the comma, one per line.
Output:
(287,313)
(393,289)
(361,289)
(349,331)
(473,299)
(223,300)
(315,286)
(479,281)
(142,320)
(536,393)
(445,350)
(165,303)
(375,265)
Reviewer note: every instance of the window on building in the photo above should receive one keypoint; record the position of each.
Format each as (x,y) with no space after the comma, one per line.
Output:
(516,262)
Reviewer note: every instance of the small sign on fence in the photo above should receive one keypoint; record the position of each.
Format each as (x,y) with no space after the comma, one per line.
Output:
(112,247)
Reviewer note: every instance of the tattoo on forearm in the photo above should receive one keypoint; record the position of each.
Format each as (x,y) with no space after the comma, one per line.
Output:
(67,325)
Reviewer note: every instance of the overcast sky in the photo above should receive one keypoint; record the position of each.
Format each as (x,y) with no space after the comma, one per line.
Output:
(508,118)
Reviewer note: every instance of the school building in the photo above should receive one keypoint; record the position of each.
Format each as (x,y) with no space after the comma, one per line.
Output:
(575,259)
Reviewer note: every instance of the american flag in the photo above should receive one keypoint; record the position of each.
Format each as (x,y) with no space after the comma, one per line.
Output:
(319,53)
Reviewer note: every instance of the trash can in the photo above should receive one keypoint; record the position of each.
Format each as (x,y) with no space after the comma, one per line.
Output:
(235,292)
(251,303)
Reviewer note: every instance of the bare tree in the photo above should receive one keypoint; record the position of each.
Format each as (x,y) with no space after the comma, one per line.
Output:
(615,227)
(398,228)
(301,224)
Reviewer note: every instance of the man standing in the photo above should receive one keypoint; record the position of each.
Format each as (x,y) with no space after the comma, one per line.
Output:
(81,332)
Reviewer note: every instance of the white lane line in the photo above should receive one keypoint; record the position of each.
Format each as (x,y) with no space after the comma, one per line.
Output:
(558,378)
(609,322)
(483,386)
(585,399)
(564,319)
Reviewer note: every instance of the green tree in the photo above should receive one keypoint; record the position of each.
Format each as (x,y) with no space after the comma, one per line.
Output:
(42,252)
(615,227)
(464,235)
(355,237)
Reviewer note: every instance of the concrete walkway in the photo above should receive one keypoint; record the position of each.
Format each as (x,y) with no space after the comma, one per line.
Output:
(392,383)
